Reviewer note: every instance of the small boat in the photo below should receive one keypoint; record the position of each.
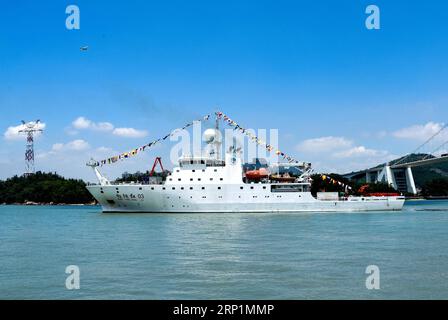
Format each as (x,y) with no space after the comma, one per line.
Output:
(259,174)
(283,178)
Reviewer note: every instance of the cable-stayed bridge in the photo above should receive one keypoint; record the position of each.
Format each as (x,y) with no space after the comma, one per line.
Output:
(398,173)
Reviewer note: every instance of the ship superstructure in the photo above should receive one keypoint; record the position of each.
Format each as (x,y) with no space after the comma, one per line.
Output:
(211,183)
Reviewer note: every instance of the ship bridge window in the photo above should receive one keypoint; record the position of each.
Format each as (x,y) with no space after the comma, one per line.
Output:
(220,179)
(211,179)
(179,179)
(219,188)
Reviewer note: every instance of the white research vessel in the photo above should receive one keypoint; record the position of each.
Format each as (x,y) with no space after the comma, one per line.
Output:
(210,184)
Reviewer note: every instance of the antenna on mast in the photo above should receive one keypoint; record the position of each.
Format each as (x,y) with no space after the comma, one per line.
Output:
(30,128)
(217,138)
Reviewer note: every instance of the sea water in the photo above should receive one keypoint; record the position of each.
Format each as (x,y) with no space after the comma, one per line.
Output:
(223,256)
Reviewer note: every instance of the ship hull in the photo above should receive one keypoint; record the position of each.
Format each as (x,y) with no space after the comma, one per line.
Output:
(227,199)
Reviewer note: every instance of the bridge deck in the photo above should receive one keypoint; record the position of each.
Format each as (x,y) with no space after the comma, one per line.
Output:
(420,162)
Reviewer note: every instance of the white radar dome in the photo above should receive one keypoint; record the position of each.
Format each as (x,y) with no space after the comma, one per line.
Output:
(212,135)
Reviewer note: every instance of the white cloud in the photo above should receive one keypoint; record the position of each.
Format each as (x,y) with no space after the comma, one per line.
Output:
(57,146)
(359,151)
(419,132)
(340,154)
(75,145)
(129,133)
(324,144)
(82,123)
(103,149)
(12,133)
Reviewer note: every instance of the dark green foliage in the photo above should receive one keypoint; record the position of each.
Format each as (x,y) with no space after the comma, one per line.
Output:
(141,176)
(436,187)
(319,184)
(376,187)
(44,188)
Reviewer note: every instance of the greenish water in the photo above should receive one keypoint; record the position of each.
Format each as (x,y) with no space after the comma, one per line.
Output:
(232,256)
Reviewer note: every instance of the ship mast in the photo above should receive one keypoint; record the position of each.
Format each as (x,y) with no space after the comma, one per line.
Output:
(217,141)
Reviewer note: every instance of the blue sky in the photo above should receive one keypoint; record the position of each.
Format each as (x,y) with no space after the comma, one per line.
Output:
(342,96)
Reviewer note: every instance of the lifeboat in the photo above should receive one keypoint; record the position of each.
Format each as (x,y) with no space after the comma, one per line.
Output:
(259,174)
(284,178)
